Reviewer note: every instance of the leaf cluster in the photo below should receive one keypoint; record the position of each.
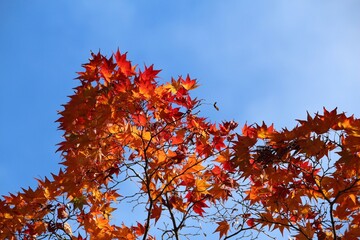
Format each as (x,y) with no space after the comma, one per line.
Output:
(131,141)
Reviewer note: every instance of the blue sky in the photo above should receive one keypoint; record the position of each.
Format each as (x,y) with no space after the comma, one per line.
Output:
(260,60)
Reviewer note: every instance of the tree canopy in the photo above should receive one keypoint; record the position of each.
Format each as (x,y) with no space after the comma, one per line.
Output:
(140,162)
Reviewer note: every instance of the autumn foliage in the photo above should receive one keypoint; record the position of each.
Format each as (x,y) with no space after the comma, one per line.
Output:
(139,162)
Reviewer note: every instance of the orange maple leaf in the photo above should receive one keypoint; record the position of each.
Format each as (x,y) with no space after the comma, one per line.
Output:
(188,83)
(223,228)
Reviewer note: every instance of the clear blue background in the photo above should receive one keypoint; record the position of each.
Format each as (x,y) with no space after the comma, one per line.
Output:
(260,60)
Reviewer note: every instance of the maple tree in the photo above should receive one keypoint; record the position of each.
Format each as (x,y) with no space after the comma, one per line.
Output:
(304,180)
(139,162)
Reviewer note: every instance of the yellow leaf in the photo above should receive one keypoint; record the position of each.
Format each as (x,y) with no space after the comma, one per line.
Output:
(7,216)
(201,186)
(113,128)
(193,165)
(161,157)
(146,136)
(353,198)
